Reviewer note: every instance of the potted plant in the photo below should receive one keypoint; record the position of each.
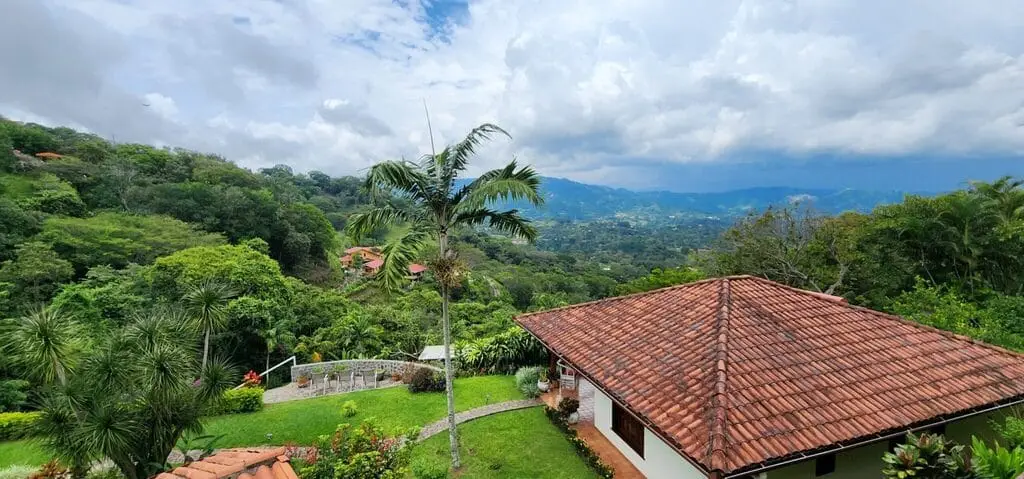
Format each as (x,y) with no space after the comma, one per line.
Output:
(303,381)
(337,370)
(542,381)
(569,409)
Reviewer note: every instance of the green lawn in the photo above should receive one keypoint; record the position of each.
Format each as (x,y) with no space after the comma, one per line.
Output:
(512,444)
(24,452)
(302,421)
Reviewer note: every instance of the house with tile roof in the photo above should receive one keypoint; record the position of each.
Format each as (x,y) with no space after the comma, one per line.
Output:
(741,377)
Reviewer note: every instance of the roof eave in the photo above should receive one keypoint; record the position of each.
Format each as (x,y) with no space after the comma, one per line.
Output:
(766,466)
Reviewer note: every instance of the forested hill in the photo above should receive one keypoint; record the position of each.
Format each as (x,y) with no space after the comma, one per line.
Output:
(569,200)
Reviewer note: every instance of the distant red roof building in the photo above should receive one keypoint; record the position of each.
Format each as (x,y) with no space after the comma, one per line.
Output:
(417,268)
(48,156)
(742,374)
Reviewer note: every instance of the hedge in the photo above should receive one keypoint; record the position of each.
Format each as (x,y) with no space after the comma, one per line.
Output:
(239,400)
(16,425)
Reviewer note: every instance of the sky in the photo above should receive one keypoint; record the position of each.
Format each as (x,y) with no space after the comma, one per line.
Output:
(690,95)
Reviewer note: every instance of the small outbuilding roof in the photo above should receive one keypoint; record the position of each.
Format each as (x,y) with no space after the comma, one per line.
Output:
(432,353)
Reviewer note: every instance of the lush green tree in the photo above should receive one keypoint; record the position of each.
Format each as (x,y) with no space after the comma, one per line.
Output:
(661,278)
(132,399)
(117,239)
(16,225)
(246,270)
(206,303)
(106,298)
(35,274)
(439,207)
(793,245)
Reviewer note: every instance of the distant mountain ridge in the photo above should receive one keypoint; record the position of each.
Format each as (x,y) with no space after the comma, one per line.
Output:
(570,200)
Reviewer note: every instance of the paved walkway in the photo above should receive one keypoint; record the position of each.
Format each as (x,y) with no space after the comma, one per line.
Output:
(461,417)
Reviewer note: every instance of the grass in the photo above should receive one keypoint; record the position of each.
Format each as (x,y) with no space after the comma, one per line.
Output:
(24,452)
(303,421)
(512,444)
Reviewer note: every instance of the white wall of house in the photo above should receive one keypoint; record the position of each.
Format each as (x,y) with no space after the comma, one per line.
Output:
(659,461)
(662,462)
(866,461)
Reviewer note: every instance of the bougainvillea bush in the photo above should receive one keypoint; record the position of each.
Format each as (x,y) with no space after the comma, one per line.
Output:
(364,451)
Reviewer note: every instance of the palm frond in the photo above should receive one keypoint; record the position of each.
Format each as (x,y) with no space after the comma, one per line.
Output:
(401,177)
(362,224)
(398,254)
(509,222)
(503,184)
(457,156)
(48,344)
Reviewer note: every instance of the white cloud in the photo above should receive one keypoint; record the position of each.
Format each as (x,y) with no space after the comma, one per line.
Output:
(587,88)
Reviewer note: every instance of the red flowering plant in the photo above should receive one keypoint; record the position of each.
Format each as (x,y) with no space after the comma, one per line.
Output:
(252,379)
(360,452)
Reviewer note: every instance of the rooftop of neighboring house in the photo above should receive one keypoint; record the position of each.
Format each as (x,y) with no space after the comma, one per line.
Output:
(362,249)
(237,463)
(740,373)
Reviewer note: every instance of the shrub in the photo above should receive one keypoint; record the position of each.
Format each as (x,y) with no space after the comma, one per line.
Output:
(16,425)
(239,400)
(1011,430)
(12,394)
(252,379)
(349,409)
(526,380)
(427,469)
(16,472)
(359,452)
(426,380)
(927,456)
(568,406)
(501,353)
(50,470)
(997,462)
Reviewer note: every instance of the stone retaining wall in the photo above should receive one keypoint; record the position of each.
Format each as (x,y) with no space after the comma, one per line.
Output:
(360,365)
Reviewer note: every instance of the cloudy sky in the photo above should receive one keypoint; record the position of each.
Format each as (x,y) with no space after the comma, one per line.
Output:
(691,95)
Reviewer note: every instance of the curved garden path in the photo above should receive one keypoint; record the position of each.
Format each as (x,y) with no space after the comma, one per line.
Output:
(461,417)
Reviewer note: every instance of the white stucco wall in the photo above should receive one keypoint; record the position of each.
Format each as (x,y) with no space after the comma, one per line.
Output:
(866,461)
(659,462)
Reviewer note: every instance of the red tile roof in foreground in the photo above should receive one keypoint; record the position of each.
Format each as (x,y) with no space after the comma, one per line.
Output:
(240,463)
(740,373)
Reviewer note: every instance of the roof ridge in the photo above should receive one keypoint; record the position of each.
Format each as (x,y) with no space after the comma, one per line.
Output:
(882,314)
(612,299)
(718,441)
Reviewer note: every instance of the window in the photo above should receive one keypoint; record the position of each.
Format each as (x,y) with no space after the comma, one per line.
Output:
(628,428)
(824,465)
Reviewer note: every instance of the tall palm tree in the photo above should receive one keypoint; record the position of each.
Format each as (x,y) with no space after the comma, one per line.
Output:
(207,305)
(47,343)
(439,205)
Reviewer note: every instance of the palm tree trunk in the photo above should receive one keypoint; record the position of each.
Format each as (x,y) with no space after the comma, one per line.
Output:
(453,435)
(206,350)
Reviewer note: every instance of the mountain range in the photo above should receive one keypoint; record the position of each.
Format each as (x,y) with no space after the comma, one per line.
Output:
(570,200)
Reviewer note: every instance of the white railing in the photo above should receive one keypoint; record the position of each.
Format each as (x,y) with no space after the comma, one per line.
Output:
(292,360)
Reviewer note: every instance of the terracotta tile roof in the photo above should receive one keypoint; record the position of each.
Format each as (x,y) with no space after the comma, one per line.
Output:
(377,263)
(417,268)
(243,463)
(362,249)
(738,373)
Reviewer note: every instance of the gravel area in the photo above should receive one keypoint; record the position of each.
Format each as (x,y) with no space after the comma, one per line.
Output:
(291,391)
(461,417)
